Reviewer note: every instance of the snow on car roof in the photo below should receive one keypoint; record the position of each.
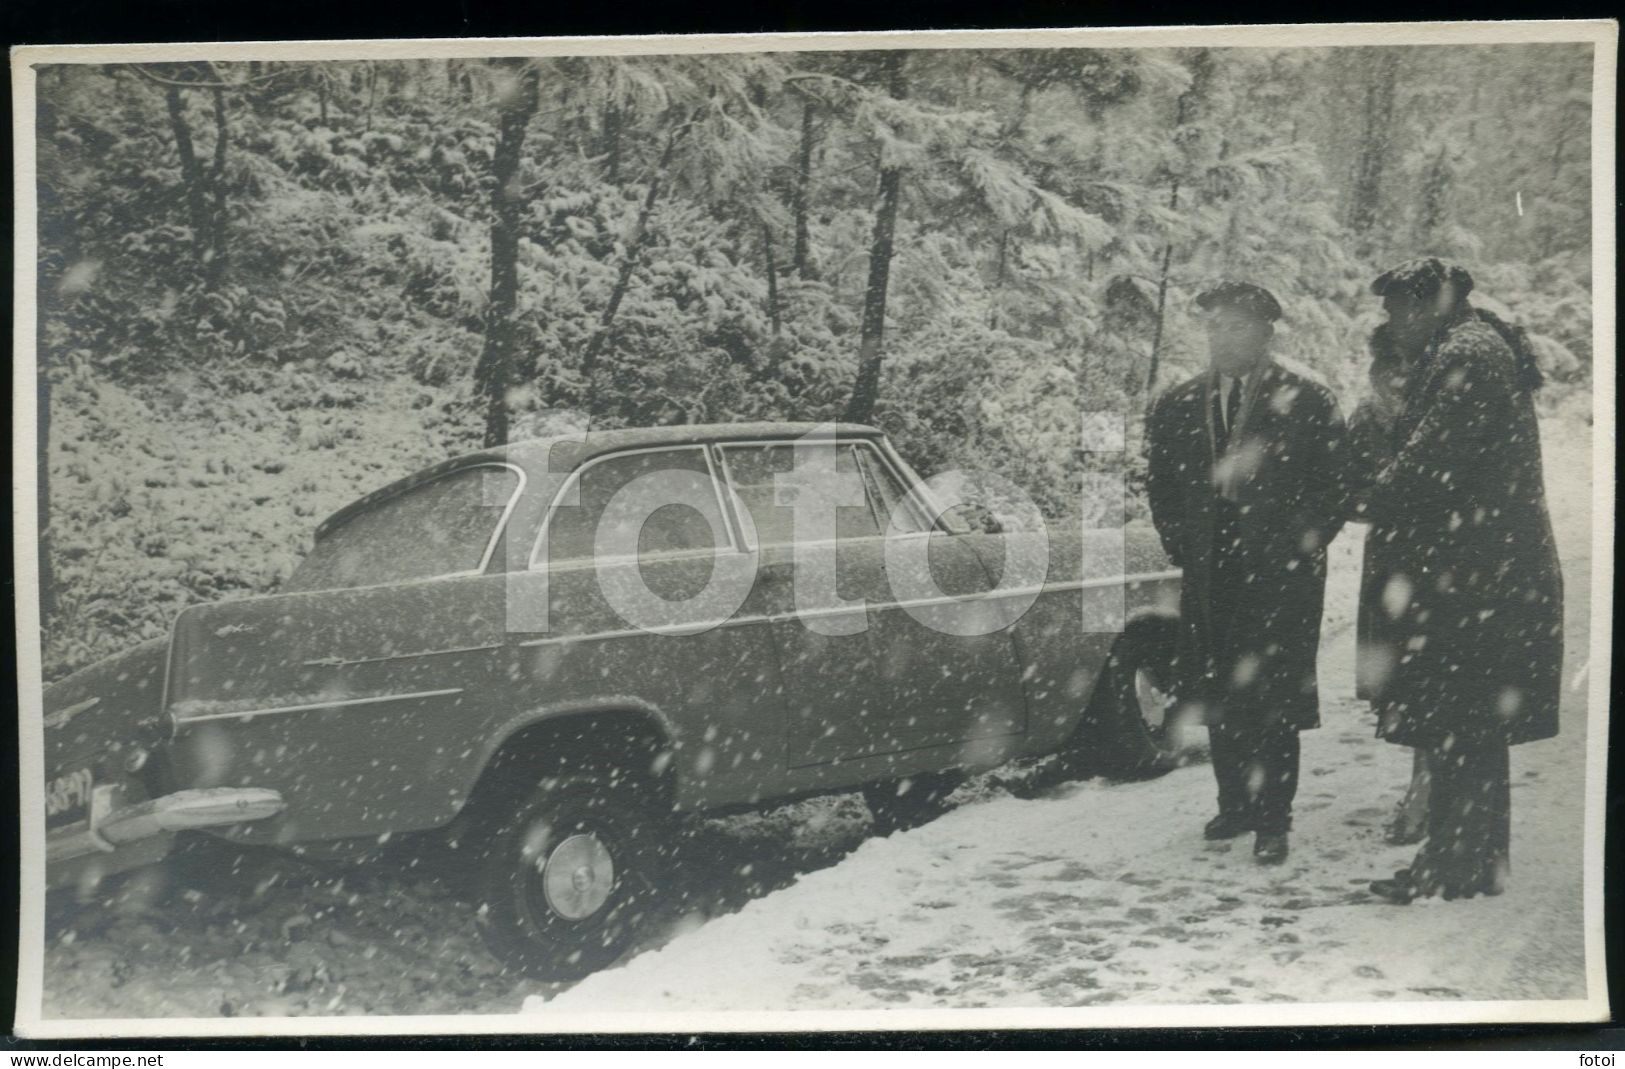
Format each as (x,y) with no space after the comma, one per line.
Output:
(534,452)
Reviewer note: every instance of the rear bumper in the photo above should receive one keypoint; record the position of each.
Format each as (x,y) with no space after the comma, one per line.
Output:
(113,824)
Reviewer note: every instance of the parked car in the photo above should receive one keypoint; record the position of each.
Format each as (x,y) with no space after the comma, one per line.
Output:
(404,680)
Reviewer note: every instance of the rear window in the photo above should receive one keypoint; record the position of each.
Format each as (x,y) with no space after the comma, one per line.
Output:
(443,527)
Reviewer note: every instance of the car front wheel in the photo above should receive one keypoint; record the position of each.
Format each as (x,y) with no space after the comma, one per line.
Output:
(568,879)
(1132,711)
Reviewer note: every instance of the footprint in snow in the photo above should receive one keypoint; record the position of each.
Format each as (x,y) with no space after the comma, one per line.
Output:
(1436,992)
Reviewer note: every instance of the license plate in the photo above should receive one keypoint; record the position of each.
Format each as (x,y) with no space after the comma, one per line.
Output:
(67,798)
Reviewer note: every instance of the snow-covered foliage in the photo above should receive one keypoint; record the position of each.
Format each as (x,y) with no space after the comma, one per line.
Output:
(261,301)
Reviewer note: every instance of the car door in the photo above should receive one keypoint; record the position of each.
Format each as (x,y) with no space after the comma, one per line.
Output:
(651,606)
(862,676)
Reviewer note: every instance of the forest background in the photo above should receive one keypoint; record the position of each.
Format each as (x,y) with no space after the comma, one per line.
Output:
(267,288)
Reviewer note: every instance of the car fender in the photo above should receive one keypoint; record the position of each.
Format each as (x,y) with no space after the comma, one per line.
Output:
(647,712)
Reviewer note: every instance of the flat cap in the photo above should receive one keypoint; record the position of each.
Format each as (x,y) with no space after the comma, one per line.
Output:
(1241,295)
(1422,278)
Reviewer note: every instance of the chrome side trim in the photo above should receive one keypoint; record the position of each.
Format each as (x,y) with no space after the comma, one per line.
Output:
(848,610)
(61,717)
(342,662)
(507,511)
(344,703)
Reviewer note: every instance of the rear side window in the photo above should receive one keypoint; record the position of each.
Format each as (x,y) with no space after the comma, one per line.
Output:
(694,525)
(443,527)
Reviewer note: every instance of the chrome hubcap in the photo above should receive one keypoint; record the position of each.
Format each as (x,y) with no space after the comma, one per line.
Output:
(578,876)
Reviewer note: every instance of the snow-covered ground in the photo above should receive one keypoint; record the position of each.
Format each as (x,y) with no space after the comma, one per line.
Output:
(1089,894)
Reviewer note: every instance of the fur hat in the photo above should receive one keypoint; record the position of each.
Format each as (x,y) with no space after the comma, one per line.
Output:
(1422,278)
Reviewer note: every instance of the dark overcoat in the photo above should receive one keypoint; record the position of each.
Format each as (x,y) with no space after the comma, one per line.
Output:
(1472,627)
(1247,649)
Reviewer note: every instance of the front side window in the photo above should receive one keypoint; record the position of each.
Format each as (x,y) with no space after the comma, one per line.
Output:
(888,493)
(754,471)
(690,522)
(443,527)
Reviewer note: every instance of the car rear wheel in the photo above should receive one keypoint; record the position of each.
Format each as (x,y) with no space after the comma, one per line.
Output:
(901,804)
(568,879)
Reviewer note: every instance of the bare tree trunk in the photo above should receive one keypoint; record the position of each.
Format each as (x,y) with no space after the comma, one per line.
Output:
(1184,110)
(866,390)
(216,270)
(1162,301)
(197,209)
(48,602)
(1001,267)
(612,138)
(634,250)
(1156,334)
(800,197)
(772,278)
(205,190)
(1375,141)
(494,372)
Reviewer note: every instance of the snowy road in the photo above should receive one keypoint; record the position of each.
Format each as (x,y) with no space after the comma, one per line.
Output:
(1090,894)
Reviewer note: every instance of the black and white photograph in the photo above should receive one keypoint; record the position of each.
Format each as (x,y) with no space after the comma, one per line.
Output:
(921,530)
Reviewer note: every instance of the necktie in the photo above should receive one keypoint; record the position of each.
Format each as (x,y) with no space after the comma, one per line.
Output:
(1226,407)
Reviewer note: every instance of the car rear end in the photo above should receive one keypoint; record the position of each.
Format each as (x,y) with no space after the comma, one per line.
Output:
(110,800)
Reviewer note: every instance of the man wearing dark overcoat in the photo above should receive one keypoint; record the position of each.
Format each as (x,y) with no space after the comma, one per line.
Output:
(1471,644)
(1248,484)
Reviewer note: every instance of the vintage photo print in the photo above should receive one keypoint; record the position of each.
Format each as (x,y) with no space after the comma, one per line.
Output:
(1069,528)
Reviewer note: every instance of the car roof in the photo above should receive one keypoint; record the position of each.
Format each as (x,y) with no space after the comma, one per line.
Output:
(533,453)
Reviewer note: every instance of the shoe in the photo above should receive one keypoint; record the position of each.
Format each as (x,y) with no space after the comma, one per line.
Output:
(1270,847)
(1227,826)
(1400,890)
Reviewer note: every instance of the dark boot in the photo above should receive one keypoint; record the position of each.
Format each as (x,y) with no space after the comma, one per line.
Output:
(1227,826)
(1270,847)
(1400,890)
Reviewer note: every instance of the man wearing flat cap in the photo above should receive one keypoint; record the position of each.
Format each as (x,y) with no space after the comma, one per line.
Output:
(1248,485)
(1466,654)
